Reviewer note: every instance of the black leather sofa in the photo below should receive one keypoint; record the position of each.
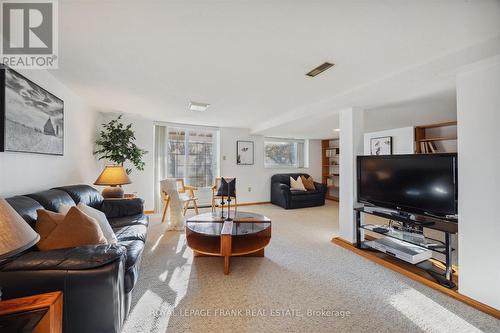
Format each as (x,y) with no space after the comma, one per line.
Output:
(96,281)
(281,194)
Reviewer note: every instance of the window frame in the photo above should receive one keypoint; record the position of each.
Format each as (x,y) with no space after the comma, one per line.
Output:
(187,129)
(301,153)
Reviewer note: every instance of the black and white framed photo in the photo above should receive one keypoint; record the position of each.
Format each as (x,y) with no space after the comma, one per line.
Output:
(244,152)
(32,119)
(381,146)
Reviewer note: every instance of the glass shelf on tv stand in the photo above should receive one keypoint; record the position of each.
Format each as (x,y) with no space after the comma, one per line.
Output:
(409,237)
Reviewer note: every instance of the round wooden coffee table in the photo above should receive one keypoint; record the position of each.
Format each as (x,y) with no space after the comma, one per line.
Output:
(246,235)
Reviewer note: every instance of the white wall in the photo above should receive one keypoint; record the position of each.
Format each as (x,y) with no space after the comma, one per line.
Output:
(398,121)
(433,109)
(478,102)
(403,140)
(22,173)
(142,181)
(256,176)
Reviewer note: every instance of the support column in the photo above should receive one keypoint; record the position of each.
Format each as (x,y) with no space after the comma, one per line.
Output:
(478,115)
(351,145)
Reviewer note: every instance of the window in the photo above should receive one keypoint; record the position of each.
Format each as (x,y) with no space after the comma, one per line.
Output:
(189,153)
(283,153)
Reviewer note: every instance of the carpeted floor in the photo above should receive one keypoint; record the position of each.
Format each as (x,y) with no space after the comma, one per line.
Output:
(304,284)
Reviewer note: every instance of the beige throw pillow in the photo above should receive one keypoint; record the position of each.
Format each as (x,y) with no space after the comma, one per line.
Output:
(101,219)
(99,216)
(308,183)
(296,185)
(46,222)
(74,230)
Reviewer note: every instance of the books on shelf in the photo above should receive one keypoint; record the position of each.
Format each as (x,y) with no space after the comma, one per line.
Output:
(333,170)
(331,152)
(428,147)
(423,147)
(333,142)
(436,138)
(432,147)
(331,182)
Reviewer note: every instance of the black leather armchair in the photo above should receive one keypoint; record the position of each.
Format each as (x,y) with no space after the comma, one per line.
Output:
(96,281)
(281,194)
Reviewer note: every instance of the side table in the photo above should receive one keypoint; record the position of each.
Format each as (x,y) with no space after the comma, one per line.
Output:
(40,313)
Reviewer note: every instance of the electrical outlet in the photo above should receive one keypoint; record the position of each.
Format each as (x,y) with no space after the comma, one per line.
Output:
(249,189)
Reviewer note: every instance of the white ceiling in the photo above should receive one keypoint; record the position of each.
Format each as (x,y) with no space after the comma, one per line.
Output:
(248,58)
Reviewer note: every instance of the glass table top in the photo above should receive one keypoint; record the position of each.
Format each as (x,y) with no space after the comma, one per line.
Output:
(244,223)
(239,228)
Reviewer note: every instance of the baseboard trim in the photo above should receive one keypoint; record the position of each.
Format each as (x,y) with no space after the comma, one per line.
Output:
(253,203)
(150,212)
(416,277)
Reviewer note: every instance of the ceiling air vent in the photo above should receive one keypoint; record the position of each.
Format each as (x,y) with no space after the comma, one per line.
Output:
(320,69)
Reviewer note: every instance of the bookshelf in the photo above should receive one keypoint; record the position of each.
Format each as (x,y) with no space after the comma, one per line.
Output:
(330,153)
(436,138)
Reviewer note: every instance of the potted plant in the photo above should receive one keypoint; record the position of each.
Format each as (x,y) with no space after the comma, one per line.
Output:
(116,143)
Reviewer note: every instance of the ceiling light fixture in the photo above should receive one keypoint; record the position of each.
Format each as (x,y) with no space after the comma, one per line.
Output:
(200,107)
(336,129)
(320,69)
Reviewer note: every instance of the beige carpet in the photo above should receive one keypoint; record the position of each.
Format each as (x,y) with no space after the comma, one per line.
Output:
(304,284)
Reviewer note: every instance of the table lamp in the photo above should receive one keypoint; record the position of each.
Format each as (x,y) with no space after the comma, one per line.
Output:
(113,176)
(16,234)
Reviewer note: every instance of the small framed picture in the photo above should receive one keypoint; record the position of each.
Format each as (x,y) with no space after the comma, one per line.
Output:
(381,146)
(244,152)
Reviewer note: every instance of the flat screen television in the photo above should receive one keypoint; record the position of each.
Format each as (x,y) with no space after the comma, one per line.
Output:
(422,184)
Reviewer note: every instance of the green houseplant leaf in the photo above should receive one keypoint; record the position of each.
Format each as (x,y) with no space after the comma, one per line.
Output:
(116,143)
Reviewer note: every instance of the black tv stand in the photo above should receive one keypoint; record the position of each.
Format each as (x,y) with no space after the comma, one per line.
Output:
(402,214)
(408,218)
(418,221)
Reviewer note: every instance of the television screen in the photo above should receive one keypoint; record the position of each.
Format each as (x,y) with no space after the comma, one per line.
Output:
(413,183)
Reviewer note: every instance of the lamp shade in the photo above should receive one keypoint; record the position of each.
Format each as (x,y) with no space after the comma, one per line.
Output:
(113,175)
(15,233)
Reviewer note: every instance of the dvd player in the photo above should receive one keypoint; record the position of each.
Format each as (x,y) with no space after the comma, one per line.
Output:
(399,249)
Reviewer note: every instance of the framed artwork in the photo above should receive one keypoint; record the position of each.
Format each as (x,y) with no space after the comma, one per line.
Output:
(244,152)
(31,118)
(381,146)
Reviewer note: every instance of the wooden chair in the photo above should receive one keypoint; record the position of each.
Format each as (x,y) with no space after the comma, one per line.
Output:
(215,187)
(186,195)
